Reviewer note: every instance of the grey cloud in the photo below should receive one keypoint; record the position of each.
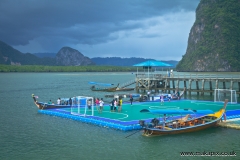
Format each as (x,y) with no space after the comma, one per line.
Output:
(128,28)
(25,20)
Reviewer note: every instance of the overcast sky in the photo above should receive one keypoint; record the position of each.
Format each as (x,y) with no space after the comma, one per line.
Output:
(155,29)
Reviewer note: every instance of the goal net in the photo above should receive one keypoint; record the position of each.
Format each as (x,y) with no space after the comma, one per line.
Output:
(221,94)
(82,106)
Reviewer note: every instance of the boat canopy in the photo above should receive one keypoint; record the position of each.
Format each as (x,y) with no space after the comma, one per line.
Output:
(102,84)
(176,111)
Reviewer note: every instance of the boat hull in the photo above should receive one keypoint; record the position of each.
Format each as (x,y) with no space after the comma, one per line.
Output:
(156,132)
(124,89)
(41,105)
(104,89)
(183,125)
(50,106)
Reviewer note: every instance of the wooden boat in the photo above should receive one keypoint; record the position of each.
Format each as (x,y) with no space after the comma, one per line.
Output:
(124,89)
(111,89)
(201,119)
(42,105)
(97,86)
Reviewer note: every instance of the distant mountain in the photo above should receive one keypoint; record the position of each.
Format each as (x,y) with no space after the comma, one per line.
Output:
(72,57)
(118,61)
(66,56)
(11,56)
(112,61)
(42,55)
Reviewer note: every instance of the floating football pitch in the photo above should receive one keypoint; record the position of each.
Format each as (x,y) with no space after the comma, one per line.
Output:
(130,115)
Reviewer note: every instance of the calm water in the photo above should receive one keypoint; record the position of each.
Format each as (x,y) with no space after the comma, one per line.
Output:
(26,134)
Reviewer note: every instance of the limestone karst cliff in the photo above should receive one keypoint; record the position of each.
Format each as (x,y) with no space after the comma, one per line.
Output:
(214,39)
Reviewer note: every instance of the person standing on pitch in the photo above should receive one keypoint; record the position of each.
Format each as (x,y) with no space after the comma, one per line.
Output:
(101,105)
(120,105)
(131,99)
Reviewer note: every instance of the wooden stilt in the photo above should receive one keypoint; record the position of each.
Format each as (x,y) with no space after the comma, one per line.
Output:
(170,84)
(203,82)
(210,85)
(197,87)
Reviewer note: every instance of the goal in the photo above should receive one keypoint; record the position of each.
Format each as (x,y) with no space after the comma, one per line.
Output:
(221,94)
(82,106)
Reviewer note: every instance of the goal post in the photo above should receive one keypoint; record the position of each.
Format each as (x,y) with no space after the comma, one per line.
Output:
(82,106)
(221,94)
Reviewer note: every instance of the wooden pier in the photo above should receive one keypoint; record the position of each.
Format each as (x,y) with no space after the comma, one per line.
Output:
(198,83)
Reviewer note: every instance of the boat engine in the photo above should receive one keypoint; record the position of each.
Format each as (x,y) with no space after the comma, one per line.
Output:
(142,123)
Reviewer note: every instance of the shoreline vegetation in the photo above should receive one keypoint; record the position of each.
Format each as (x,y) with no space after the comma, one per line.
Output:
(40,68)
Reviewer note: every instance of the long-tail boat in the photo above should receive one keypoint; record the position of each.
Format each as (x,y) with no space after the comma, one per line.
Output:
(96,86)
(194,120)
(124,89)
(42,105)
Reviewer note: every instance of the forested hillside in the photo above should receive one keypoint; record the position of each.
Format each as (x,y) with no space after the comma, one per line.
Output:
(11,56)
(214,39)
(118,61)
(65,57)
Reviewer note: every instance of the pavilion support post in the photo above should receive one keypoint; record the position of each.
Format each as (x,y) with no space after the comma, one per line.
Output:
(203,82)
(239,88)
(224,85)
(165,86)
(137,85)
(210,84)
(231,84)
(178,84)
(173,83)
(169,91)
(216,86)
(148,84)
(197,87)
(190,86)
(155,86)
(185,85)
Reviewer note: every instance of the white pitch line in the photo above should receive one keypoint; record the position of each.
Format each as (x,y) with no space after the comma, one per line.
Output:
(126,115)
(163,107)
